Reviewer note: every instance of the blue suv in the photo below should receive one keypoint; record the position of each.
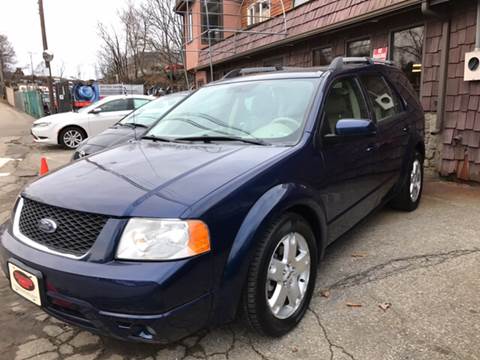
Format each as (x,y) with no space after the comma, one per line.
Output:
(224,207)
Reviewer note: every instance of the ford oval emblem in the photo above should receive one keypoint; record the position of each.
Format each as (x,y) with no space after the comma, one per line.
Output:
(47,226)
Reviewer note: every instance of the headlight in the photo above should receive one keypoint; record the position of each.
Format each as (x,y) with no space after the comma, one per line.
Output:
(155,239)
(41,124)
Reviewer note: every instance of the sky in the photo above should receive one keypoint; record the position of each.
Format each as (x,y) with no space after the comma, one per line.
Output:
(71,32)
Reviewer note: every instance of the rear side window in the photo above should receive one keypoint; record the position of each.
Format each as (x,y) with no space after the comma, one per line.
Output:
(117,105)
(385,101)
(344,101)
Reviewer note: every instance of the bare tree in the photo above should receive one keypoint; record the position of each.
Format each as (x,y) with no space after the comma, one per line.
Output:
(137,27)
(113,55)
(167,34)
(7,54)
(151,34)
(7,60)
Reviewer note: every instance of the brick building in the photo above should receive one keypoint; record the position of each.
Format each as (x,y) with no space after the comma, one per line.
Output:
(428,39)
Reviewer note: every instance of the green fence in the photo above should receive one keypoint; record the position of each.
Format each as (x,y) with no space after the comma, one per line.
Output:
(29,102)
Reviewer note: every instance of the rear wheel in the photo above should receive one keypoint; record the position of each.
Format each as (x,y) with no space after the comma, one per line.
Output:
(411,191)
(281,276)
(71,137)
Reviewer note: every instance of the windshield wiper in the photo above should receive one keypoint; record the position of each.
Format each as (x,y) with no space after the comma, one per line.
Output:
(133,125)
(156,138)
(208,139)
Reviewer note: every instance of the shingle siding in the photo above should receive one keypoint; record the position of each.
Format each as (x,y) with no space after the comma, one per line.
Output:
(312,16)
(461,140)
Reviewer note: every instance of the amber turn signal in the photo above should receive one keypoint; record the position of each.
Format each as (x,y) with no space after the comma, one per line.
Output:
(199,239)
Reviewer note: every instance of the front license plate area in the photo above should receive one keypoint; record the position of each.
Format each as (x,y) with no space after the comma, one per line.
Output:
(25,283)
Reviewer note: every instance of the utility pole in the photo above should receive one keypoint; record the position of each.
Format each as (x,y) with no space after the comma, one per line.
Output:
(47,62)
(31,65)
(2,80)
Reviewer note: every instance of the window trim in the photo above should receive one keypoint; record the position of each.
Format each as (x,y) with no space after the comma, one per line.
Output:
(203,39)
(361,38)
(189,27)
(321,48)
(392,31)
(251,19)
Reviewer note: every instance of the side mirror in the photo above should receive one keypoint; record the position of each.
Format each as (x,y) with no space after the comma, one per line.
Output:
(351,129)
(355,127)
(96,111)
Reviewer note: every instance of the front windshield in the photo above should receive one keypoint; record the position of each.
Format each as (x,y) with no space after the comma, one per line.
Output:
(272,111)
(152,111)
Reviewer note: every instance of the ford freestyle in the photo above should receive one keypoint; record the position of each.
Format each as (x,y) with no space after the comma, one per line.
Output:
(224,207)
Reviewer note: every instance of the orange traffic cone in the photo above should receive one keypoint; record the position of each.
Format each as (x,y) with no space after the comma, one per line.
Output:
(43,166)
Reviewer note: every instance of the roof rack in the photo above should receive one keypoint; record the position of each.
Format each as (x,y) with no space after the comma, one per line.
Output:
(266,69)
(250,71)
(339,62)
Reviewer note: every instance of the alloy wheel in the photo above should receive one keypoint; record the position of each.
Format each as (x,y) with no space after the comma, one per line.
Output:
(72,138)
(288,275)
(415,180)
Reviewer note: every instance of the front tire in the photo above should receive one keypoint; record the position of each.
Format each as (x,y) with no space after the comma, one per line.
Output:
(71,137)
(281,276)
(410,194)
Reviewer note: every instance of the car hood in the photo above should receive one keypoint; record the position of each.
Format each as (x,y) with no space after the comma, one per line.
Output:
(150,179)
(112,136)
(56,118)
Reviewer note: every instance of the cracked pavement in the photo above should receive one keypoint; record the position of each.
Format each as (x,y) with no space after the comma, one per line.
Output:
(426,264)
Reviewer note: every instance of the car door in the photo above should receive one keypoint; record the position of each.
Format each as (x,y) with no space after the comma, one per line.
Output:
(388,108)
(110,113)
(348,179)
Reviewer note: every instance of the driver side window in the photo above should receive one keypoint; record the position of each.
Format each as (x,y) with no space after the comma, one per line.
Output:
(344,101)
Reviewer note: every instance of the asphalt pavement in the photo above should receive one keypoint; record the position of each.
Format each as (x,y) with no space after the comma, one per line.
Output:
(399,286)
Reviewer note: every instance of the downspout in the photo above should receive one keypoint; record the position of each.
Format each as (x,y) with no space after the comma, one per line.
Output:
(477,37)
(444,45)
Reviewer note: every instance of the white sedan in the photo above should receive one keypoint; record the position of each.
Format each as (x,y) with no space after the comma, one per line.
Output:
(70,129)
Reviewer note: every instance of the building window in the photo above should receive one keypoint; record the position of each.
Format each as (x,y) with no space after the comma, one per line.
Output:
(299,2)
(189,30)
(274,61)
(359,48)
(322,56)
(258,11)
(407,53)
(213,24)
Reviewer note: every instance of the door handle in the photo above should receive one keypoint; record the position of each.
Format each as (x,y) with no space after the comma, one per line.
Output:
(406,130)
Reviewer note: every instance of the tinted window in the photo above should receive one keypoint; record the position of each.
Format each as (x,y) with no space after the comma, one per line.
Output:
(116,105)
(323,56)
(359,48)
(344,101)
(385,101)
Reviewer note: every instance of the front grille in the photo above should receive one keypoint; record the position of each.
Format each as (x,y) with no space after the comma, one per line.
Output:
(76,231)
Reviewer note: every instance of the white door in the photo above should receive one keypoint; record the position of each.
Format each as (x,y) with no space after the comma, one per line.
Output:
(108,114)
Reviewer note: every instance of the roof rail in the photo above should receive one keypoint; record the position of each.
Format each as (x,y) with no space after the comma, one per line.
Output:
(339,62)
(249,71)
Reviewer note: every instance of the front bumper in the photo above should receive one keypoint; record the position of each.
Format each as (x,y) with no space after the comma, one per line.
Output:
(150,302)
(43,135)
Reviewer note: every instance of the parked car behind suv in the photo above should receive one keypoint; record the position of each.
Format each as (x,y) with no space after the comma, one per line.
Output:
(71,128)
(132,126)
(226,204)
